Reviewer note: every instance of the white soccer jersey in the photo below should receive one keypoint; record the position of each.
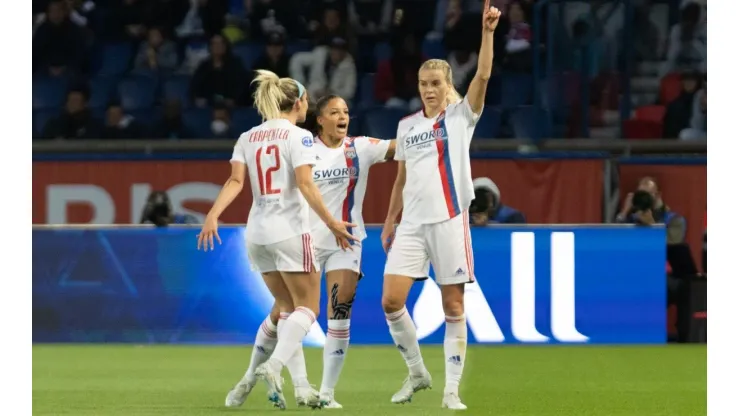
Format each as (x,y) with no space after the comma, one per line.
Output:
(341,175)
(271,152)
(439,185)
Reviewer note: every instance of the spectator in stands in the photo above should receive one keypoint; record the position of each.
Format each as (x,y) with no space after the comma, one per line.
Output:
(679,111)
(58,44)
(657,213)
(487,208)
(461,39)
(171,125)
(274,58)
(397,79)
(119,125)
(687,41)
(333,26)
(518,40)
(221,123)
(213,15)
(370,17)
(333,71)
(76,121)
(79,12)
(698,127)
(270,16)
(157,53)
(127,20)
(165,14)
(220,78)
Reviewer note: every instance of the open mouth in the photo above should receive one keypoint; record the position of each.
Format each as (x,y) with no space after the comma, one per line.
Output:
(342,126)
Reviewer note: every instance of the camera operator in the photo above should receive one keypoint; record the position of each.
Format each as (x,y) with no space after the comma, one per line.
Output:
(487,208)
(645,206)
(158,211)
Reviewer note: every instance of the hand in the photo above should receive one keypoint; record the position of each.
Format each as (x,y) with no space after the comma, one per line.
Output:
(387,236)
(491,17)
(342,234)
(645,217)
(210,230)
(627,204)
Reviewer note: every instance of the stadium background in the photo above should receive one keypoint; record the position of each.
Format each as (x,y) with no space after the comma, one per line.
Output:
(569,128)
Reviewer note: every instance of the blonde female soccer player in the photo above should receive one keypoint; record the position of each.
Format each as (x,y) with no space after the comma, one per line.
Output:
(434,187)
(279,156)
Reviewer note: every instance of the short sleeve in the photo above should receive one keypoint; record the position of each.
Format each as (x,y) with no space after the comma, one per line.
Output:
(301,148)
(400,151)
(239,154)
(467,111)
(374,150)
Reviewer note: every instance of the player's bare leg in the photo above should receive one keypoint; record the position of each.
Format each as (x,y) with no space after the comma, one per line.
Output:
(305,292)
(341,287)
(395,293)
(264,343)
(455,343)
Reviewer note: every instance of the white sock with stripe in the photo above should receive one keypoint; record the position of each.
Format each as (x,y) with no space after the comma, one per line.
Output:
(403,332)
(296,363)
(264,344)
(335,351)
(455,344)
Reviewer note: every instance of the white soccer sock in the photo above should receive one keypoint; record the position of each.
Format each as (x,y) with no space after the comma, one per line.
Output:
(335,350)
(264,344)
(403,332)
(290,341)
(455,344)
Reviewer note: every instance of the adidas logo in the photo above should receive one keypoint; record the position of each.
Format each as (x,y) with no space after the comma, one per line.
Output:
(459,272)
(401,348)
(455,359)
(261,349)
(338,352)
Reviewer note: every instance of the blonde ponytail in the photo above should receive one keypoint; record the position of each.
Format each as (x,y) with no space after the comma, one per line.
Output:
(452,96)
(274,95)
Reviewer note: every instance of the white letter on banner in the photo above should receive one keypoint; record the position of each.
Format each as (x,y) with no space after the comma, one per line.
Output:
(563,288)
(198,191)
(429,315)
(58,197)
(522,288)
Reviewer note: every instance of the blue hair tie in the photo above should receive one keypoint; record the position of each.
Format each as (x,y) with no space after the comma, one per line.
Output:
(301,88)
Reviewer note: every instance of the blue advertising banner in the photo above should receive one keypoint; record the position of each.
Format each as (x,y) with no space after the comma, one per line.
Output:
(535,284)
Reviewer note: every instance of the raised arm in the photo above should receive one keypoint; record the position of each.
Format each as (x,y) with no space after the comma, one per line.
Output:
(477,89)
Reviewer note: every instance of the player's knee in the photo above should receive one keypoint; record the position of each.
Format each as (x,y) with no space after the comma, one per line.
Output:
(392,303)
(275,313)
(453,307)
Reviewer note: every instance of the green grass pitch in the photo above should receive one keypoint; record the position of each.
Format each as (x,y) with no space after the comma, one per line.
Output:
(499,380)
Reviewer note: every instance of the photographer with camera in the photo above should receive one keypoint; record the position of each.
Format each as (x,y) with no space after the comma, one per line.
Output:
(645,206)
(158,211)
(487,208)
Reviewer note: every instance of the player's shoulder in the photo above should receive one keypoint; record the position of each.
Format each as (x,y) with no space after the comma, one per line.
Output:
(302,135)
(411,119)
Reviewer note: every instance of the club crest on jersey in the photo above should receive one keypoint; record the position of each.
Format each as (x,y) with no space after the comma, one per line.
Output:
(307,141)
(350,152)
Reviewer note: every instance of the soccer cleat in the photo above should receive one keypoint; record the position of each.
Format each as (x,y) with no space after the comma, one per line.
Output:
(274,384)
(452,401)
(328,402)
(239,393)
(307,396)
(411,385)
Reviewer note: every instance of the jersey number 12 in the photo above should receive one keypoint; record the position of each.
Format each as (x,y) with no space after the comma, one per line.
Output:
(265,178)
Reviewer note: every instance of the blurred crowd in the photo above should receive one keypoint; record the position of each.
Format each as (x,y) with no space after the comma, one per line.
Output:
(178,69)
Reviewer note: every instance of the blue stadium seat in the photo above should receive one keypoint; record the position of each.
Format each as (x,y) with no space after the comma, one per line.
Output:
(248,53)
(243,119)
(383,51)
(366,90)
(116,58)
(383,122)
(49,93)
(40,118)
(102,90)
(531,122)
(177,88)
(516,90)
(198,121)
(137,93)
(434,49)
(489,125)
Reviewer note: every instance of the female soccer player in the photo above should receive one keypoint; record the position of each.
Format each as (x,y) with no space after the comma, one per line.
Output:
(341,174)
(279,157)
(434,187)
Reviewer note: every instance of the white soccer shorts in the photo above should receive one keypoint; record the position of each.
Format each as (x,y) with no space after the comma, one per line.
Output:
(446,245)
(338,259)
(296,254)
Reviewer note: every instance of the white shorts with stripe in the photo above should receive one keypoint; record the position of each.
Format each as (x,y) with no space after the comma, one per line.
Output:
(296,254)
(446,245)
